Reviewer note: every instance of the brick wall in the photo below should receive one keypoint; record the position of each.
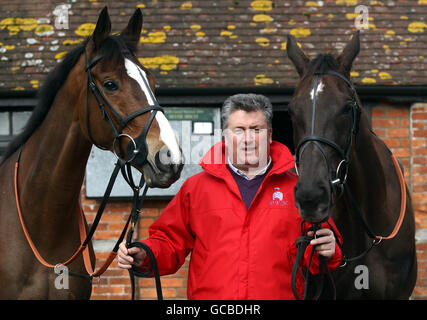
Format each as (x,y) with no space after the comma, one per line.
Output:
(418,127)
(402,127)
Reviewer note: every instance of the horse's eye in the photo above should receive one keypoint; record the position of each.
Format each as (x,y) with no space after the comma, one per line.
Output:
(110,85)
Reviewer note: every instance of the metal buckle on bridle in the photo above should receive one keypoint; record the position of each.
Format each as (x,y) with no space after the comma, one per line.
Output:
(338,179)
(377,240)
(135,151)
(296,168)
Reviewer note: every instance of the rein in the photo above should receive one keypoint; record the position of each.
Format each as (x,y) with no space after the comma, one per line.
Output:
(339,182)
(376,238)
(302,243)
(137,151)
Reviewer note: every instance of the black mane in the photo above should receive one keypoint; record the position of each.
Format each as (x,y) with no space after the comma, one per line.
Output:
(46,95)
(112,49)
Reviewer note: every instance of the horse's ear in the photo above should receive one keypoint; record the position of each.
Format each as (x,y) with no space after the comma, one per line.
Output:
(132,32)
(349,53)
(102,29)
(297,56)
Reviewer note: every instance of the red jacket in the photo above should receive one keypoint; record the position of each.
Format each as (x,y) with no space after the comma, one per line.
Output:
(235,253)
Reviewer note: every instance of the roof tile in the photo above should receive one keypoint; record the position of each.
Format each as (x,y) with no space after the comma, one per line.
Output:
(221,43)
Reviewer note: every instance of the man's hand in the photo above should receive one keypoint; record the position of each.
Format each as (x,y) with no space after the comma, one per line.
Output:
(130,257)
(324,242)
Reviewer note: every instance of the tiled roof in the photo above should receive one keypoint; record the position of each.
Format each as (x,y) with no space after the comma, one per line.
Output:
(220,43)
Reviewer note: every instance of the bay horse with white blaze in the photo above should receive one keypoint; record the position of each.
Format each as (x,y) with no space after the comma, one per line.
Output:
(347,172)
(100,94)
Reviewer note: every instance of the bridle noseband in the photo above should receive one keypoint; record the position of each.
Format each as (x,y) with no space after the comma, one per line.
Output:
(335,178)
(136,149)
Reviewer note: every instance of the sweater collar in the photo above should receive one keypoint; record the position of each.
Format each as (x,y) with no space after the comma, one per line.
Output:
(242,174)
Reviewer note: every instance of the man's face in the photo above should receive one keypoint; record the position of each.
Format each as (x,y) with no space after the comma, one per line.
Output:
(247,140)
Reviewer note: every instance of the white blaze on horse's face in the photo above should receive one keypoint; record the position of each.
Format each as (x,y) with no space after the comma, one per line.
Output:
(167,135)
(320,87)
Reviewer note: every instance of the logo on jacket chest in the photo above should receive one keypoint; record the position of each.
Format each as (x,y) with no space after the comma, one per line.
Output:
(278,199)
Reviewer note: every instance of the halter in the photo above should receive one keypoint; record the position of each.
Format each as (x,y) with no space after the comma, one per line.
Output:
(335,178)
(136,149)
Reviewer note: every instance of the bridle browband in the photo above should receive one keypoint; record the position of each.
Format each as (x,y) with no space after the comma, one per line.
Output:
(136,149)
(335,178)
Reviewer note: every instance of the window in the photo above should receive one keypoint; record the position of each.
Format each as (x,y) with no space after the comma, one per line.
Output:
(5,132)
(19,120)
(4,123)
(15,110)
(11,124)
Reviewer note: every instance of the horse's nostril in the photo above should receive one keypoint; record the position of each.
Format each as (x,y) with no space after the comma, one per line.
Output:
(177,168)
(162,160)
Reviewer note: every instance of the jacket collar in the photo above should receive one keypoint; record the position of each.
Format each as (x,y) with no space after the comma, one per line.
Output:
(214,161)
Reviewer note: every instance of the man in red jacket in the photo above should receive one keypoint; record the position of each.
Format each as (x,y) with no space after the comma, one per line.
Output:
(237,217)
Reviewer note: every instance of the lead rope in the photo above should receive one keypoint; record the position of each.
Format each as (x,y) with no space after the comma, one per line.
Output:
(134,217)
(148,271)
(302,243)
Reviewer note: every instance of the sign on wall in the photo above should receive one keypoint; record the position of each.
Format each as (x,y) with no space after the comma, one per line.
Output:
(197,130)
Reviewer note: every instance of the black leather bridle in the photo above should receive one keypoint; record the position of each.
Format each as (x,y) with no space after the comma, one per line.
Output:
(136,149)
(337,182)
(335,176)
(137,153)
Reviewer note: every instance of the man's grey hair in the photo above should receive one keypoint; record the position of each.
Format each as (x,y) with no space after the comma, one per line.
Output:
(248,102)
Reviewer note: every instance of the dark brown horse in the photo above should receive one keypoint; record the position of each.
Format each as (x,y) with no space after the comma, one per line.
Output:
(344,168)
(72,114)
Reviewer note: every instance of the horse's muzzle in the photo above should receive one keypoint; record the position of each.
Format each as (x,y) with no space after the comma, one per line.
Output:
(162,172)
(313,202)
